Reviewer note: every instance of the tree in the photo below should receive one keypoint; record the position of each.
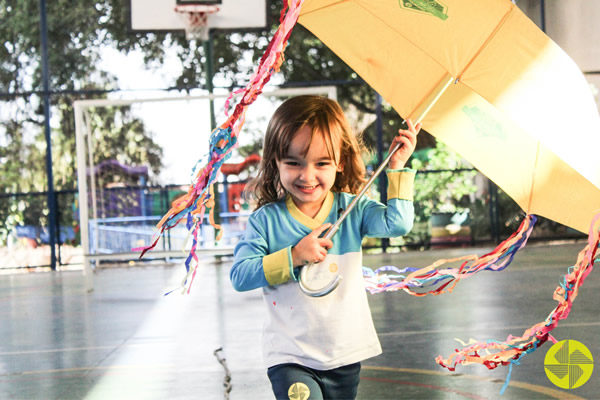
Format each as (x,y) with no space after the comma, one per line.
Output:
(77,31)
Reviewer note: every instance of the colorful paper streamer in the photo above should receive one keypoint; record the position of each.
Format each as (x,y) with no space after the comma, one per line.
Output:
(390,278)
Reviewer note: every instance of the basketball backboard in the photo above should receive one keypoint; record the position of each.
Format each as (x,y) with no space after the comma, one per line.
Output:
(160,15)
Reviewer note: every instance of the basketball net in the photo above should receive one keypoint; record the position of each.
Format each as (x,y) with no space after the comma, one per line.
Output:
(196,19)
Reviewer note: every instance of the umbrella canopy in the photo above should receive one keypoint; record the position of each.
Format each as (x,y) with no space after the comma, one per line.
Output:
(520,111)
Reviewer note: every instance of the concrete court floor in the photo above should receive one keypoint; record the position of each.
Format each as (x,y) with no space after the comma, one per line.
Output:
(125,340)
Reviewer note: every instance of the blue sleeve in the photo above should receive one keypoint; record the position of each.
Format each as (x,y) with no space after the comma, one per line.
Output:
(247,271)
(395,219)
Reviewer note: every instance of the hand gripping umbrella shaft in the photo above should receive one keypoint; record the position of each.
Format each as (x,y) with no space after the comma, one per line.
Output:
(329,287)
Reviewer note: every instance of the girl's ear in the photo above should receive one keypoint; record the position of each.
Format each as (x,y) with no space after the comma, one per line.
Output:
(340,167)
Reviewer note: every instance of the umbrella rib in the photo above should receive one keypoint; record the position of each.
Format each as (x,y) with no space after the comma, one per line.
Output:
(398,33)
(392,27)
(324,7)
(535,165)
(374,16)
(489,38)
(459,76)
(420,103)
(446,78)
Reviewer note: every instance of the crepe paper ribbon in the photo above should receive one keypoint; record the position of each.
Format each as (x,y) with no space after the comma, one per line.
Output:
(513,349)
(199,198)
(389,278)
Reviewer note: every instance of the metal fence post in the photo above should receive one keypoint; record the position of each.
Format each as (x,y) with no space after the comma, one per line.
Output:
(494,217)
(50,177)
(382,183)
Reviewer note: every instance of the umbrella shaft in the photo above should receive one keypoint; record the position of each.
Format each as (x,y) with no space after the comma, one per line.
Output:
(331,231)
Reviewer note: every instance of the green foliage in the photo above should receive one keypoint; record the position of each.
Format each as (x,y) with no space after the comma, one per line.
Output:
(21,167)
(441,186)
(439,189)
(10,216)
(509,214)
(77,32)
(122,137)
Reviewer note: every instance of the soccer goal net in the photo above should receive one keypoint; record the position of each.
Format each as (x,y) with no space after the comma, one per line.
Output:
(135,156)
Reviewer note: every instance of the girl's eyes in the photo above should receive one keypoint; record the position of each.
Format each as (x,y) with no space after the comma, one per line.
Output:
(319,164)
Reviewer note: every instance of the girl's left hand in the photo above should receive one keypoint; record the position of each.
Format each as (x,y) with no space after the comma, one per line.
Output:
(407,138)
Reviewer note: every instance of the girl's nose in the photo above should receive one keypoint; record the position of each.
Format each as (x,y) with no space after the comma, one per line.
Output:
(307,173)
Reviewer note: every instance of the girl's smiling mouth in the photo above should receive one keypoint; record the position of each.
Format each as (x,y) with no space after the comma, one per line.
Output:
(307,189)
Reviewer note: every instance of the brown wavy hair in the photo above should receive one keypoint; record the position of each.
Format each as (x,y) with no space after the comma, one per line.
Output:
(326,118)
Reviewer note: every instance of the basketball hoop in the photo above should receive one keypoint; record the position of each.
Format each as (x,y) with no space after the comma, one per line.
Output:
(196,19)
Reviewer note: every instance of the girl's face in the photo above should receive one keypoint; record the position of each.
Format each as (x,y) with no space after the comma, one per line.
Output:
(308,177)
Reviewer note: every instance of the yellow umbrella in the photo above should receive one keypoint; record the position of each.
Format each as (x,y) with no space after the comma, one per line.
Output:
(519,109)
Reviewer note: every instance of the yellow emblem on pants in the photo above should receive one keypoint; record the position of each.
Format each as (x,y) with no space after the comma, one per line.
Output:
(298,391)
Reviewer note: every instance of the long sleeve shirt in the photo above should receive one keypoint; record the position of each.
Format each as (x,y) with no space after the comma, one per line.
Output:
(334,330)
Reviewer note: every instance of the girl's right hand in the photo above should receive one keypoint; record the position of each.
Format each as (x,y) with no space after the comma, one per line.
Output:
(312,248)
(407,139)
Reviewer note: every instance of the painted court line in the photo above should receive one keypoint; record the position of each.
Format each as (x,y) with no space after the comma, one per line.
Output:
(426,386)
(557,394)
(487,328)
(134,367)
(90,348)
(515,384)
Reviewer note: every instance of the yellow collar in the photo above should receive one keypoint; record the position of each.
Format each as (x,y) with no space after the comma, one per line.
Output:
(304,219)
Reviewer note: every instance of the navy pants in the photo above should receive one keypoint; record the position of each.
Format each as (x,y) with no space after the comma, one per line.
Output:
(297,382)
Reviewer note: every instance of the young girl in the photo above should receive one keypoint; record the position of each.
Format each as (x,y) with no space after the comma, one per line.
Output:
(310,171)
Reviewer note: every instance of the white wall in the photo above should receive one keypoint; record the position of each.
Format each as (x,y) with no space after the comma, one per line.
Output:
(575,26)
